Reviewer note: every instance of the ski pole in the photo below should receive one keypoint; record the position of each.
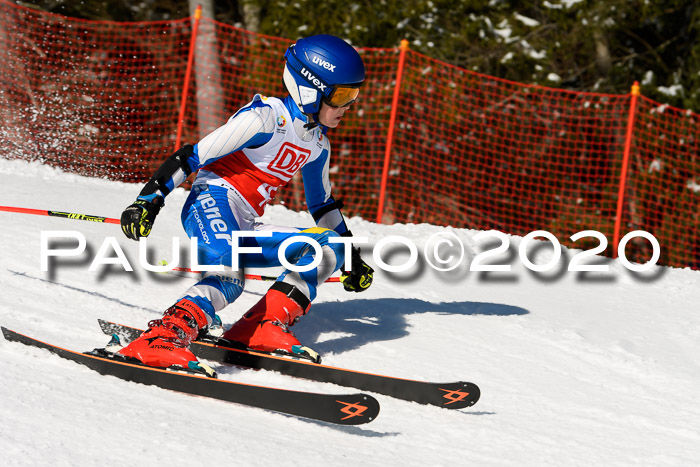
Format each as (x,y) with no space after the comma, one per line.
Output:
(110,220)
(249,276)
(66,215)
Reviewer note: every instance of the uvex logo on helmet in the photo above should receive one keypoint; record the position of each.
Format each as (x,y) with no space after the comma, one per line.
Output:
(322,63)
(317,82)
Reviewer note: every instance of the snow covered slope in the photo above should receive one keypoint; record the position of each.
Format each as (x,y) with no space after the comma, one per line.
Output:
(575,369)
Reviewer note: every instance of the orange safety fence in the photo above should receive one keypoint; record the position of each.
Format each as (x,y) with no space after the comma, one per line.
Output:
(446,146)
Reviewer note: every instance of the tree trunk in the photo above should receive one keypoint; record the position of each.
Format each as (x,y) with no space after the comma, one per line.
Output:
(207,72)
(250,10)
(602,52)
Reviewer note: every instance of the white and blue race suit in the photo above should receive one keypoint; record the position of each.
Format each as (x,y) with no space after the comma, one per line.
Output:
(241,166)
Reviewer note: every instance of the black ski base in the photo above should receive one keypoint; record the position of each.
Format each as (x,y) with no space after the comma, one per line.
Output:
(454,395)
(346,409)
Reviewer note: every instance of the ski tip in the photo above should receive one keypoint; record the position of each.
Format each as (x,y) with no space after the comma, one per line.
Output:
(356,409)
(458,395)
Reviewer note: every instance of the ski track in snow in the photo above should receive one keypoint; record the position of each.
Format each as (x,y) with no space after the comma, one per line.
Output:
(600,369)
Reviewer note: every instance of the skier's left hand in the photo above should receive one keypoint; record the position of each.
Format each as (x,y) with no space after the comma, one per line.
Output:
(360,277)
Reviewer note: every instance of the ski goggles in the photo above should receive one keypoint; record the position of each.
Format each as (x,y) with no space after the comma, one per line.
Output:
(342,96)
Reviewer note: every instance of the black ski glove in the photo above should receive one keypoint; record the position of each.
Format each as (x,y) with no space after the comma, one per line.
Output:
(360,278)
(137,220)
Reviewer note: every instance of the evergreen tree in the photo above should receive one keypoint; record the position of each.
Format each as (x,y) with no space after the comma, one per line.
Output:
(583,45)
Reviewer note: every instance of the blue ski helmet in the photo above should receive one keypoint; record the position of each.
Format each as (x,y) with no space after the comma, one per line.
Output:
(322,68)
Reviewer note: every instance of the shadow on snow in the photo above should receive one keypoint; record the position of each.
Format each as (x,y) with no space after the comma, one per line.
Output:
(359,322)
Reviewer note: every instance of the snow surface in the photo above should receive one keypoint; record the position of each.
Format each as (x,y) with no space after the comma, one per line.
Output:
(574,368)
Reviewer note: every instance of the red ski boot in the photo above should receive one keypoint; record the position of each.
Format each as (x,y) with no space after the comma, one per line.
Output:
(166,341)
(265,326)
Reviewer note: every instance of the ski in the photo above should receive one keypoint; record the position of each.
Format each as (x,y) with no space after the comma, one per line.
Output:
(454,395)
(346,409)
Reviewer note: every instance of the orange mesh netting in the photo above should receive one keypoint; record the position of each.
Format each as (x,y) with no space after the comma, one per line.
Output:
(467,150)
(94,97)
(662,193)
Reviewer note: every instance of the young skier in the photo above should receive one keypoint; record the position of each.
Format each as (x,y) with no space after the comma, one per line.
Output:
(241,166)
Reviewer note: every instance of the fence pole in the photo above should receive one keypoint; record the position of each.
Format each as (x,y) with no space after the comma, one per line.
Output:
(390,135)
(188,74)
(625,166)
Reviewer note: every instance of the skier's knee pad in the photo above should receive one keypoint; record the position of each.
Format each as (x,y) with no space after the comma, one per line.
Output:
(332,258)
(323,236)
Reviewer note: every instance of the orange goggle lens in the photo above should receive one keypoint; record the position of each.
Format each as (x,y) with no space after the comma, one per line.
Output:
(342,96)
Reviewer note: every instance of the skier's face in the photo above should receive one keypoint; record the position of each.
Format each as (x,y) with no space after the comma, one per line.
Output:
(330,116)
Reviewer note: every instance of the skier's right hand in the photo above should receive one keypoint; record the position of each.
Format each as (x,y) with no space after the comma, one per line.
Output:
(137,220)
(361,276)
